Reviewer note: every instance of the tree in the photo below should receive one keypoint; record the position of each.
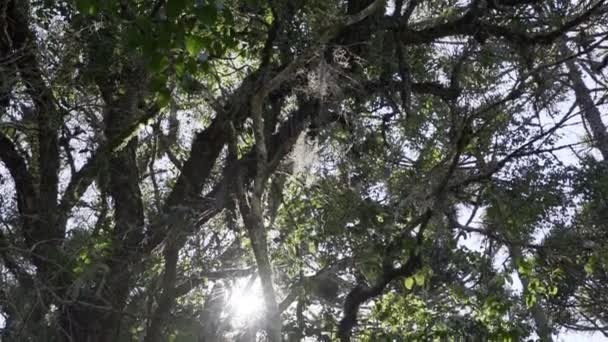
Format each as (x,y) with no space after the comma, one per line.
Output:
(156,154)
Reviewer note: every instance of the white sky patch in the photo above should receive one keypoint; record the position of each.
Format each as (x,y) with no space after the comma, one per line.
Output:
(575,336)
(472,241)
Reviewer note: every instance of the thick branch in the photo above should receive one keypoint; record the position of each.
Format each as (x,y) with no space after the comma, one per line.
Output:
(362,292)
(470,24)
(589,110)
(253,217)
(48,120)
(24,184)
(84,177)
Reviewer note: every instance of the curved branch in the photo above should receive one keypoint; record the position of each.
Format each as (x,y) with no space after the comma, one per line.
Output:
(24,183)
(362,292)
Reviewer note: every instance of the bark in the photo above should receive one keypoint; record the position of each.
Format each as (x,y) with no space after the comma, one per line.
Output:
(361,293)
(154,332)
(98,316)
(589,110)
(280,145)
(24,183)
(37,192)
(254,222)
(543,326)
(205,150)
(128,211)
(253,216)
(178,224)
(195,172)
(44,234)
(37,184)
(84,177)
(472,22)
(44,219)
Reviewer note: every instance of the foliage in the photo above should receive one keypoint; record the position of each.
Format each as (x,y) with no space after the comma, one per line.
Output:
(369,170)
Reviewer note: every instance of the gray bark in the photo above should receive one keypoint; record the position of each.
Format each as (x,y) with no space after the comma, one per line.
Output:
(589,110)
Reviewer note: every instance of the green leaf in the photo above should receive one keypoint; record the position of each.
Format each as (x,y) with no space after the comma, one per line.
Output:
(534,285)
(590,265)
(180,68)
(163,97)
(409,283)
(268,17)
(524,267)
(312,247)
(420,278)
(194,44)
(553,290)
(530,300)
(158,62)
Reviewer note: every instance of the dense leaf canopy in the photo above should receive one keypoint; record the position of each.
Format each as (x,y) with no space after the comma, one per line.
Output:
(273,170)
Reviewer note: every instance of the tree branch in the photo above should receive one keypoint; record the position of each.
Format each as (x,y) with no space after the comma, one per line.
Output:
(27,200)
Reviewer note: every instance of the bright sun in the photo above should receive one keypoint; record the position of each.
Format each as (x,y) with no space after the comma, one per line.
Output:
(246,302)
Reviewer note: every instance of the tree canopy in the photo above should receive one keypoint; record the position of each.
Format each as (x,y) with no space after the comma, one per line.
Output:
(303,170)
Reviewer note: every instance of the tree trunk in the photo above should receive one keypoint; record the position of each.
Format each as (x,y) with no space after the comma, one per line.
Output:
(589,110)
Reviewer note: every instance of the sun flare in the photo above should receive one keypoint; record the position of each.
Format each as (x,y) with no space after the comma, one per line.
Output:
(246,302)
